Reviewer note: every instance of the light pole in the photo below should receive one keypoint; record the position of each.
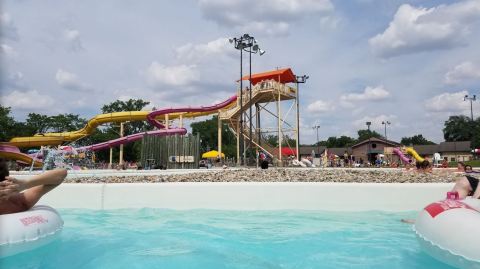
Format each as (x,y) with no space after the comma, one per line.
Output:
(471,99)
(239,44)
(300,79)
(368,123)
(386,123)
(242,43)
(318,142)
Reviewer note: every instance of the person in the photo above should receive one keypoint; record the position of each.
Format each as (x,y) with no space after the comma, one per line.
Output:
(444,163)
(424,166)
(21,195)
(467,184)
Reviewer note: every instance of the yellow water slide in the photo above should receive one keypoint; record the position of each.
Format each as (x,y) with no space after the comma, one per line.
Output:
(54,139)
(414,154)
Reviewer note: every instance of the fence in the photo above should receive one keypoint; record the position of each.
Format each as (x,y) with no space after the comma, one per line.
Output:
(170,152)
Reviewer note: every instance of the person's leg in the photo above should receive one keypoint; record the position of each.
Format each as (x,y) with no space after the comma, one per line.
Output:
(41,184)
(462,186)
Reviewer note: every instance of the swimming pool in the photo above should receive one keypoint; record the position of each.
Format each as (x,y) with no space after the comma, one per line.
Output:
(160,238)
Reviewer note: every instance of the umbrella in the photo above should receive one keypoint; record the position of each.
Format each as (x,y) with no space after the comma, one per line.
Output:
(212,154)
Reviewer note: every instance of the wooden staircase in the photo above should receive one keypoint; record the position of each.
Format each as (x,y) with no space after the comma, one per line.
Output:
(263,92)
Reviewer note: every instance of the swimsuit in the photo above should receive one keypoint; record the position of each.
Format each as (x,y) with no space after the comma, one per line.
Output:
(473,183)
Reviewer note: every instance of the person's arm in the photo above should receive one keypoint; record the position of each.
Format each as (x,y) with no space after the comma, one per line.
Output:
(49,178)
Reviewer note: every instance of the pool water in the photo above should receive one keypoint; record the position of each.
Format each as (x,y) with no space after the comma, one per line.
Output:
(159,238)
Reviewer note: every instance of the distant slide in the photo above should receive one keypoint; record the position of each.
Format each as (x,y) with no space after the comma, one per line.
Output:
(415,155)
(55,139)
(402,156)
(8,151)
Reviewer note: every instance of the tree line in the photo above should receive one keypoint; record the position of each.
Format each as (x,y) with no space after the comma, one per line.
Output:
(456,128)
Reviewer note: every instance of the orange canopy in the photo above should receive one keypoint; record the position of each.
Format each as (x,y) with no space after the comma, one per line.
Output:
(281,75)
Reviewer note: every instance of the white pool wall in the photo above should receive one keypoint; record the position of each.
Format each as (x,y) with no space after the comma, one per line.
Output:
(249,196)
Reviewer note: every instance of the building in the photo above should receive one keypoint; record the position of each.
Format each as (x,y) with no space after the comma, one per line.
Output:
(459,151)
(370,148)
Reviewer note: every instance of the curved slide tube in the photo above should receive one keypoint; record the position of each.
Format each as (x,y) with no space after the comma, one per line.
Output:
(415,155)
(402,156)
(8,151)
(55,139)
(151,118)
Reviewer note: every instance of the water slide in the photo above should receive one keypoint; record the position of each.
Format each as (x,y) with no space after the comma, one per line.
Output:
(11,151)
(415,155)
(402,156)
(8,151)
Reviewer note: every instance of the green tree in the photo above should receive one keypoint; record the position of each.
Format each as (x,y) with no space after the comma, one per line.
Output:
(66,122)
(366,134)
(37,123)
(9,127)
(416,140)
(459,128)
(208,132)
(340,142)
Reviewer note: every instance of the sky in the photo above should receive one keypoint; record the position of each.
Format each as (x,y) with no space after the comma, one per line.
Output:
(407,62)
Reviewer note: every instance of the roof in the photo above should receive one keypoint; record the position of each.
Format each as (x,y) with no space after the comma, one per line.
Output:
(374,139)
(455,146)
(281,75)
(426,149)
(307,150)
(339,151)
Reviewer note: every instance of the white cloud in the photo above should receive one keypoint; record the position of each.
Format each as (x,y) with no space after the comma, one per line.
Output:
(181,75)
(70,81)
(29,100)
(448,102)
(369,94)
(72,37)
(7,51)
(320,106)
(268,16)
(195,53)
(15,81)
(464,71)
(376,122)
(9,30)
(423,29)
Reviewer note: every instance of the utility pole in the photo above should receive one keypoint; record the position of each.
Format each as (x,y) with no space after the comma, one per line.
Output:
(299,79)
(120,161)
(386,123)
(471,99)
(368,123)
(318,142)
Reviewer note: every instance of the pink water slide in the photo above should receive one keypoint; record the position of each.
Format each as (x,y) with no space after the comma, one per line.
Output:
(162,131)
(402,156)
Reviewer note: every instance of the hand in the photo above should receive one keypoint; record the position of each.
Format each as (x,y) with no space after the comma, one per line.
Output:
(8,188)
(21,184)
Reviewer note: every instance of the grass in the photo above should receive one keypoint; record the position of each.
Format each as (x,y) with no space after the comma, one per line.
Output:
(473,163)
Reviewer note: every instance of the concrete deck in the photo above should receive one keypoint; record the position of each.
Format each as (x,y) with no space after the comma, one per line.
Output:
(249,196)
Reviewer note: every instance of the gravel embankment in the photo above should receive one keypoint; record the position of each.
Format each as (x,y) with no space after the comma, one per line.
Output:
(282,175)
